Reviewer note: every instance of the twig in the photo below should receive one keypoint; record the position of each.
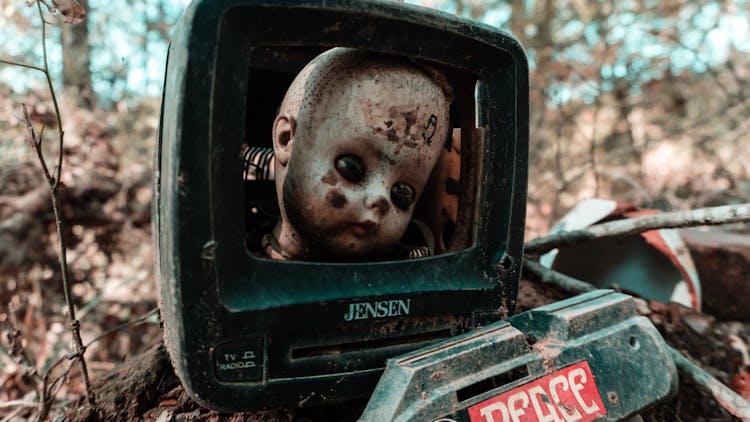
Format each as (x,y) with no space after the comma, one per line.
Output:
(12,415)
(724,396)
(699,217)
(53,180)
(15,336)
(49,386)
(75,325)
(546,275)
(36,143)
(57,383)
(645,198)
(16,403)
(19,64)
(45,399)
(124,325)
(143,318)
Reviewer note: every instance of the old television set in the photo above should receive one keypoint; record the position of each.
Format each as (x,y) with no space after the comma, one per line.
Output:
(247,332)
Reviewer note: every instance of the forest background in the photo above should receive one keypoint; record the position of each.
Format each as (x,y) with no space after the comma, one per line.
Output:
(639,100)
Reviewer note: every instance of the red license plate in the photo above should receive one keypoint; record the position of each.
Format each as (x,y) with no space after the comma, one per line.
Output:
(567,395)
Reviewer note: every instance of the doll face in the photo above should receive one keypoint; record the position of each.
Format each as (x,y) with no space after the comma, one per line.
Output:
(350,191)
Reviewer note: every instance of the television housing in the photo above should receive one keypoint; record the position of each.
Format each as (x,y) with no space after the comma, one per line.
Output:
(246,332)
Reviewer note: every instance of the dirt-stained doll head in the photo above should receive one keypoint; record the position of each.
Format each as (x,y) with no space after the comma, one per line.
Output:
(355,140)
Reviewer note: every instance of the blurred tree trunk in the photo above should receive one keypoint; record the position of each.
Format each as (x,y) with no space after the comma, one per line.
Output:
(518,18)
(76,63)
(546,13)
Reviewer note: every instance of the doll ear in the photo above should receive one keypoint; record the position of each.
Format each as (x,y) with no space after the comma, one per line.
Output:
(283,137)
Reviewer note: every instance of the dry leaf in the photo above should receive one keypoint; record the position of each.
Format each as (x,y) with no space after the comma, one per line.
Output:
(71,9)
(740,383)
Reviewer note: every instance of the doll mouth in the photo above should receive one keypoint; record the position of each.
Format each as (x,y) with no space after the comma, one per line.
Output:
(364,228)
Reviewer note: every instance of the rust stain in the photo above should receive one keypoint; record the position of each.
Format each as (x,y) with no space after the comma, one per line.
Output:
(437,375)
(410,117)
(549,348)
(336,198)
(389,133)
(329,178)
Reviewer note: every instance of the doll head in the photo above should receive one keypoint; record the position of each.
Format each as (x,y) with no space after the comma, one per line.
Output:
(355,140)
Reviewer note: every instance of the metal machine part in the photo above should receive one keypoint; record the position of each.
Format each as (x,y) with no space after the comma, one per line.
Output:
(591,357)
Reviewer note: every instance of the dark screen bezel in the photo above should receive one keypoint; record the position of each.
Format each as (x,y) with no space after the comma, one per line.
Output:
(247,282)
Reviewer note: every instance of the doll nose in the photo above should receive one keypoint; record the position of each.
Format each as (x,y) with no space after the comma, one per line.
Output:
(378,202)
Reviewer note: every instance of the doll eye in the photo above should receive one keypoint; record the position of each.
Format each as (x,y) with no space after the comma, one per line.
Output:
(350,167)
(402,195)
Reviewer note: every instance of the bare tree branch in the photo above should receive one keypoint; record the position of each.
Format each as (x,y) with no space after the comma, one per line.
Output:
(50,386)
(19,64)
(699,217)
(53,180)
(54,103)
(546,275)
(16,403)
(143,318)
(36,143)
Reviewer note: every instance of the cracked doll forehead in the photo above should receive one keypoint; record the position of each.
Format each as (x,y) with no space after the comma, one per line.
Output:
(342,73)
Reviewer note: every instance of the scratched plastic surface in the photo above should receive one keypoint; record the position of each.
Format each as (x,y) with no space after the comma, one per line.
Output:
(591,357)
